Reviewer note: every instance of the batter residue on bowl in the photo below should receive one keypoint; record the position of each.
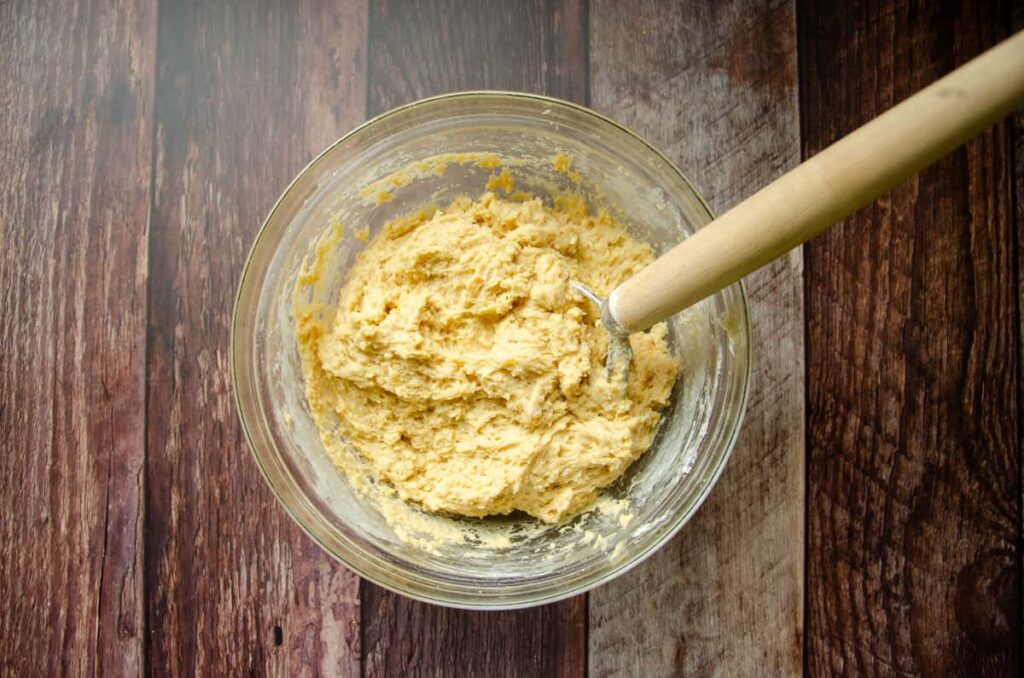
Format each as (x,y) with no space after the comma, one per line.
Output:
(466,372)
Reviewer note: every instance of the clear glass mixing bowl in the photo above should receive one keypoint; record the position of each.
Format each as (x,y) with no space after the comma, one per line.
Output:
(619,171)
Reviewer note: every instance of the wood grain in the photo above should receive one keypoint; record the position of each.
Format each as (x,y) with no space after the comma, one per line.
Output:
(426,48)
(714,85)
(914,517)
(75,150)
(417,50)
(1017,129)
(143,143)
(247,93)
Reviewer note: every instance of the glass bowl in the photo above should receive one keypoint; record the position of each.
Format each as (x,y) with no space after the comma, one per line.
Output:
(365,179)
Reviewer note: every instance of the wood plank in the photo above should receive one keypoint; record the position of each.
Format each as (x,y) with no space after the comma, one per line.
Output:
(417,50)
(74,195)
(1017,126)
(713,84)
(247,93)
(427,48)
(914,517)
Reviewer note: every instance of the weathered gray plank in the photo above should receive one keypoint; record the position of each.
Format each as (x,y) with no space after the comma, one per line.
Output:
(714,85)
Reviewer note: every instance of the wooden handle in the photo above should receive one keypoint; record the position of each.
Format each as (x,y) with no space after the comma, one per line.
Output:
(834,183)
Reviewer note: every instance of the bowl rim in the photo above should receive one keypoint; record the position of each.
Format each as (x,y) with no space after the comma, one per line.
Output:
(486,604)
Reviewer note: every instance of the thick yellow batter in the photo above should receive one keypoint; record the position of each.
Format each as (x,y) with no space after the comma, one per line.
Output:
(467,373)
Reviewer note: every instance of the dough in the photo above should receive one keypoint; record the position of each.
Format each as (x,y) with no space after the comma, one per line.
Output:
(468,374)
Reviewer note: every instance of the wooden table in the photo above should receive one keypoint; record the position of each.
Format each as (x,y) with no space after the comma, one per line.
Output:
(869,521)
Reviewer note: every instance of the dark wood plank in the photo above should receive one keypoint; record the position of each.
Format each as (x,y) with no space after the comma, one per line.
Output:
(914,517)
(417,50)
(714,85)
(426,48)
(1017,127)
(406,638)
(74,194)
(247,93)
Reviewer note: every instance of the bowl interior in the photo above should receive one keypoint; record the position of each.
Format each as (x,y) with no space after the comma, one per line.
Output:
(390,167)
